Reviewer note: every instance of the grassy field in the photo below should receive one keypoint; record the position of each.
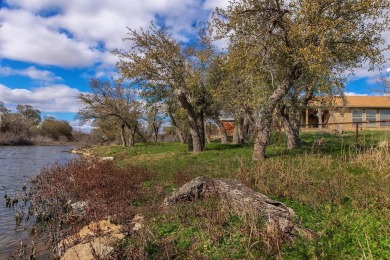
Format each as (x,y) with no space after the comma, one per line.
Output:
(340,189)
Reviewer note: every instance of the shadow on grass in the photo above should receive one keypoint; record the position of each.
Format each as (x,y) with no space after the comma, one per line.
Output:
(219,146)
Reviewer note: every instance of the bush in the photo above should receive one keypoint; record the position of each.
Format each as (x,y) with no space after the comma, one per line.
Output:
(56,129)
(98,188)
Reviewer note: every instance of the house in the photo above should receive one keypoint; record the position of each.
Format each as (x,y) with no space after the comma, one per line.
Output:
(339,114)
(336,113)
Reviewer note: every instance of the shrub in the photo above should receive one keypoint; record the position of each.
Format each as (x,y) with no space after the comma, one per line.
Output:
(63,198)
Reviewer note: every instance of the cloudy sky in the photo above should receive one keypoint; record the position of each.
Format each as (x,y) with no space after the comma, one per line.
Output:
(49,48)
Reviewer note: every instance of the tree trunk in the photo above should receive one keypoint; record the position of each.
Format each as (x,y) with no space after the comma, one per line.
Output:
(123,135)
(206,134)
(291,121)
(132,137)
(190,143)
(202,130)
(242,201)
(319,116)
(143,138)
(235,134)
(241,133)
(262,134)
(245,128)
(264,118)
(155,129)
(195,135)
(180,134)
(196,123)
(238,134)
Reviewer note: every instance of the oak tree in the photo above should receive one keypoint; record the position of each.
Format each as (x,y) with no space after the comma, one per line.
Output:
(282,41)
(172,72)
(114,101)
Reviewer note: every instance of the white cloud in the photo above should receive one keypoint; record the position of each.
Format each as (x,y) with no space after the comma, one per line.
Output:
(85,127)
(26,37)
(373,75)
(81,33)
(52,98)
(354,94)
(76,33)
(212,4)
(31,72)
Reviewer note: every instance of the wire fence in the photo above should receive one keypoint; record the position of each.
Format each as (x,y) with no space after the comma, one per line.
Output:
(355,126)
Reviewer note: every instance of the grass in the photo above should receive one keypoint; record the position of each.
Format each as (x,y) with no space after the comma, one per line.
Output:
(340,189)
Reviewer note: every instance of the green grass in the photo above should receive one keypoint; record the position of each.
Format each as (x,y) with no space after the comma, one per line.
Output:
(340,189)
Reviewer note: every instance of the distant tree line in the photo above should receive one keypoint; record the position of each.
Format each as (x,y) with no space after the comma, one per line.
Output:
(27,127)
(279,56)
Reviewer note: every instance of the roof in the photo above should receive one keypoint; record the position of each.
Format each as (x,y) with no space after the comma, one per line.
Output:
(365,101)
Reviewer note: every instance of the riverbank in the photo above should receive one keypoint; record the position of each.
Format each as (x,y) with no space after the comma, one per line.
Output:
(340,189)
(50,143)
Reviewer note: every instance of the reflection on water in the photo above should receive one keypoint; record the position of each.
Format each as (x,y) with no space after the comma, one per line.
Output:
(17,165)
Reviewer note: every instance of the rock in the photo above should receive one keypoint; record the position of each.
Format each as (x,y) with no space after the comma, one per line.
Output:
(88,251)
(107,158)
(98,237)
(137,222)
(241,200)
(73,151)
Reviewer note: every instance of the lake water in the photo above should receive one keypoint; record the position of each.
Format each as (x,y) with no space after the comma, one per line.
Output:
(18,164)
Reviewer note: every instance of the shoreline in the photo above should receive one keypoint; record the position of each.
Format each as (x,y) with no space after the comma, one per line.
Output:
(76,144)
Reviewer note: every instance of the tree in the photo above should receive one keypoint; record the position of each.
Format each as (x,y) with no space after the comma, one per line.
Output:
(17,125)
(282,41)
(155,120)
(178,120)
(55,129)
(3,109)
(113,101)
(30,113)
(105,131)
(21,125)
(171,72)
(385,83)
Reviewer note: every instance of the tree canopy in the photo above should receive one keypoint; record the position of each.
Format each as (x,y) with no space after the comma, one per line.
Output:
(169,71)
(112,101)
(288,44)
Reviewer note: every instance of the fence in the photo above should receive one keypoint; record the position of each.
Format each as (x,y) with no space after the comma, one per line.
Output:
(357,127)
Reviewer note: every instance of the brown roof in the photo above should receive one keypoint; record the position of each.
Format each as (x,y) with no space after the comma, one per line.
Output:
(365,101)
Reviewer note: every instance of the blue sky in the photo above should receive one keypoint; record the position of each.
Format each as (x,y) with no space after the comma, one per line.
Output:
(49,48)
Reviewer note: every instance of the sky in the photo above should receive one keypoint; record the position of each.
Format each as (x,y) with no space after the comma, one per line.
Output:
(50,48)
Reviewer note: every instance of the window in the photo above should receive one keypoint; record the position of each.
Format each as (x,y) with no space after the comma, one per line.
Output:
(371,117)
(357,115)
(384,115)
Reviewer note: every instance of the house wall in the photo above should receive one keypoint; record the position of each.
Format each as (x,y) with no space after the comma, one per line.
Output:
(337,117)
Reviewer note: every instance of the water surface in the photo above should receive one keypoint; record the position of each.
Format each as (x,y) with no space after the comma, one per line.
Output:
(18,164)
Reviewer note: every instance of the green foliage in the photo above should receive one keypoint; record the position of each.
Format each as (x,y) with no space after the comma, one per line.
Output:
(111,104)
(282,51)
(56,129)
(30,113)
(26,127)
